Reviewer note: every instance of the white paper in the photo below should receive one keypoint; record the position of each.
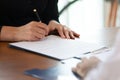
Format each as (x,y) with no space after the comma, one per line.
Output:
(58,48)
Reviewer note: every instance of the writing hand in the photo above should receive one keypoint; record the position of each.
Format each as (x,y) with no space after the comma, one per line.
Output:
(32,31)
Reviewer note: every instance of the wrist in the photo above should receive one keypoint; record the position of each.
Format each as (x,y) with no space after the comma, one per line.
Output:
(53,25)
(8,33)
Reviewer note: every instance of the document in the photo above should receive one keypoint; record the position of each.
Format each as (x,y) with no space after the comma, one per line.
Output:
(57,47)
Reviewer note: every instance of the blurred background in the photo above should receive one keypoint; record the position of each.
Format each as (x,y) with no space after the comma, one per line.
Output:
(112,13)
(89,14)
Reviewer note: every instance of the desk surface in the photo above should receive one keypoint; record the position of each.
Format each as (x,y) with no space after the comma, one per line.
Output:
(13,62)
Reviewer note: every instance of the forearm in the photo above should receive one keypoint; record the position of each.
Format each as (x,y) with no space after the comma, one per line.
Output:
(8,33)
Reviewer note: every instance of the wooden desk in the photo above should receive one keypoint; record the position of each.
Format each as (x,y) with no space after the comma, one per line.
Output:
(13,62)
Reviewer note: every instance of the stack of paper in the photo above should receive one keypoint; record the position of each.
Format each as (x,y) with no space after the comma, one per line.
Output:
(57,47)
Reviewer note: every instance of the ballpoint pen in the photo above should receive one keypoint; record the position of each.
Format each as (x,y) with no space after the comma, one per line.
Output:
(91,53)
(37,15)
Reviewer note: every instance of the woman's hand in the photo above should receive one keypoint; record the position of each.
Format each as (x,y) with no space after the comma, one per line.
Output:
(85,66)
(63,31)
(32,31)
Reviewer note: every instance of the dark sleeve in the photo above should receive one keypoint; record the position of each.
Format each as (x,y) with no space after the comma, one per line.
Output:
(0,28)
(51,11)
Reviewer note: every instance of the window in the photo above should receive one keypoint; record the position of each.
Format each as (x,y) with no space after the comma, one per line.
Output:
(83,14)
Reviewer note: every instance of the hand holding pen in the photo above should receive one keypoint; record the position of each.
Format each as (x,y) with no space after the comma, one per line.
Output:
(32,31)
(62,30)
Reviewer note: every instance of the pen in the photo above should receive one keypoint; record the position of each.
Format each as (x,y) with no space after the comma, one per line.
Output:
(37,15)
(100,50)
(91,53)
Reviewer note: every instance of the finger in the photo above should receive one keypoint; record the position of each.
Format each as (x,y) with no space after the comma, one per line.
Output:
(35,39)
(74,69)
(40,31)
(36,26)
(60,31)
(94,60)
(83,64)
(77,71)
(32,38)
(84,60)
(71,35)
(44,27)
(79,65)
(38,35)
(66,33)
(80,73)
(76,34)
